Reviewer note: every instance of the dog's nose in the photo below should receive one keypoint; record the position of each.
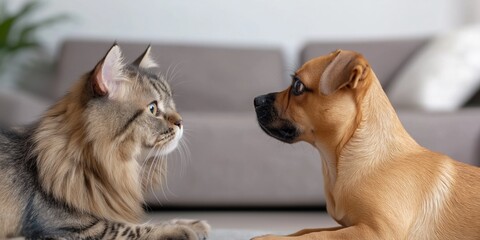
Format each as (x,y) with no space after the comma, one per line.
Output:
(264,99)
(260,100)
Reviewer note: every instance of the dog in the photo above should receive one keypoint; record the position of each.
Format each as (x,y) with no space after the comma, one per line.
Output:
(379,183)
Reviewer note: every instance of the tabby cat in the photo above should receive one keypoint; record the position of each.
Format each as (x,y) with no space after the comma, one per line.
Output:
(78,173)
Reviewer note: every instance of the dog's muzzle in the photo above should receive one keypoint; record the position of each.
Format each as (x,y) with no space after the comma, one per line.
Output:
(265,109)
(270,122)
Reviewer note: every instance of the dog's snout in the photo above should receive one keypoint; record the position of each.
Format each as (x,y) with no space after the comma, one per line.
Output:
(264,99)
(260,100)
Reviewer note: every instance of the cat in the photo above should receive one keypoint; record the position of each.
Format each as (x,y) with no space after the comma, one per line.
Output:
(77,172)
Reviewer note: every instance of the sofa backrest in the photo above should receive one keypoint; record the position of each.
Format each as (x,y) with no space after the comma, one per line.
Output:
(204,78)
(385,56)
(456,134)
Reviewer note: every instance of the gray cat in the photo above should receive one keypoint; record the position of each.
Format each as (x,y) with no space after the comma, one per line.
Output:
(79,172)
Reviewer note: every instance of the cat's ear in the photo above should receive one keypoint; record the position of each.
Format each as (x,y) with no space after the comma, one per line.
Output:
(108,73)
(145,60)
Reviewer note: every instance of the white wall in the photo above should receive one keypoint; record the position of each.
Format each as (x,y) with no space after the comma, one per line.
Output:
(282,23)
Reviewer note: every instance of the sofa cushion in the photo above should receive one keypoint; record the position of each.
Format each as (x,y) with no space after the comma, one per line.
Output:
(385,56)
(204,78)
(474,101)
(232,163)
(443,75)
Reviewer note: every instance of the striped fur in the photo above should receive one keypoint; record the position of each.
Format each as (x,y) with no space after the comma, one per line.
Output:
(79,172)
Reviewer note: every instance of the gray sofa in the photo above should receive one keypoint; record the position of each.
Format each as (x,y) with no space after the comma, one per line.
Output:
(230,163)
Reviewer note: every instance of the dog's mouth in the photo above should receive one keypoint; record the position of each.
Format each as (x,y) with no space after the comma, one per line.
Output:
(276,127)
(286,133)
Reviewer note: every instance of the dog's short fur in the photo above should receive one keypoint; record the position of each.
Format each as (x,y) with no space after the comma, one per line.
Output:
(379,183)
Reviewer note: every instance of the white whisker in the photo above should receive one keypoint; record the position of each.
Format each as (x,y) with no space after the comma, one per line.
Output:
(174,72)
(158,162)
(186,155)
(166,76)
(166,189)
(142,169)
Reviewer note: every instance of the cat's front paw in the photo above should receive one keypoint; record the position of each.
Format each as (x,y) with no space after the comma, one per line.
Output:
(180,229)
(201,228)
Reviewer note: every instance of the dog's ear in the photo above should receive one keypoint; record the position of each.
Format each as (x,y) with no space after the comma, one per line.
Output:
(345,70)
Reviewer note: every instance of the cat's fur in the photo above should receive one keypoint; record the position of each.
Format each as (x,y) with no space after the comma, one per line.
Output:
(79,172)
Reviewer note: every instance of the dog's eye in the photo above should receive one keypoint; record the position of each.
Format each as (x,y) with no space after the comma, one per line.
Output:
(298,87)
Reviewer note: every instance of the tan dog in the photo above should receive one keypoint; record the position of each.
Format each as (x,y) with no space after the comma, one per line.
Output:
(379,183)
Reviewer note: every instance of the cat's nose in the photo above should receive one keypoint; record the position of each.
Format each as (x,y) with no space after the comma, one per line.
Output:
(178,123)
(175,119)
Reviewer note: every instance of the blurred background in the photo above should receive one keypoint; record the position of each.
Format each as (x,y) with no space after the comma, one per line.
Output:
(221,54)
(284,24)
(287,24)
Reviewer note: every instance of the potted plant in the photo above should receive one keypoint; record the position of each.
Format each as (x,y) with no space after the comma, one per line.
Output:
(18,36)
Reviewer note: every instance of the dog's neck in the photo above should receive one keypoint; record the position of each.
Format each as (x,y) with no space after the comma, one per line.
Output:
(378,136)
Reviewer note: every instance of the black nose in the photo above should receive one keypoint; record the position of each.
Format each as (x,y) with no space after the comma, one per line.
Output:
(260,100)
(264,99)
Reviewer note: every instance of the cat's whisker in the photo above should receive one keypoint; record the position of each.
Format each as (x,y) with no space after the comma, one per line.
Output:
(174,72)
(169,72)
(166,76)
(181,158)
(186,151)
(186,131)
(158,163)
(178,156)
(186,143)
(172,78)
(142,169)
(183,148)
(150,170)
(166,186)
(147,157)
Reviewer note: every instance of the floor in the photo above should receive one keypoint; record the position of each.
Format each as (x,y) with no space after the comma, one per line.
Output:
(251,223)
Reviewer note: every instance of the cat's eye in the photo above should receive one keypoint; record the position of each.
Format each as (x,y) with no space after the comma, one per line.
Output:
(298,87)
(153,108)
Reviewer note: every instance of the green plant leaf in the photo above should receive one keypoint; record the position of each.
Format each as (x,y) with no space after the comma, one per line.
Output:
(27,8)
(7,24)
(23,45)
(27,31)
(5,29)
(17,31)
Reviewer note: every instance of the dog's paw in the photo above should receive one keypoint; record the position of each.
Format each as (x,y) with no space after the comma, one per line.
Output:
(179,229)
(267,237)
